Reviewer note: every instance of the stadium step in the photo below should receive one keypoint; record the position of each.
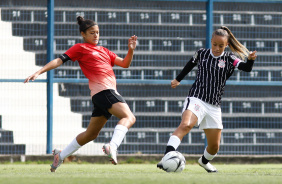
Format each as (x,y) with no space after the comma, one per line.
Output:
(6,136)
(150,90)
(14,149)
(7,145)
(173,121)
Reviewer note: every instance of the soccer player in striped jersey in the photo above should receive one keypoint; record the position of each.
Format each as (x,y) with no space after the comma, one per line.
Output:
(202,105)
(96,63)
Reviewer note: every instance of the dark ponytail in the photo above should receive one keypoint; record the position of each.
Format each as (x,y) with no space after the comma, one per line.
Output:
(234,44)
(84,24)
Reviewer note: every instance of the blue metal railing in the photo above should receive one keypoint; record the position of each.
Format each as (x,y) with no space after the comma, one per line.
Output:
(151,81)
(50,76)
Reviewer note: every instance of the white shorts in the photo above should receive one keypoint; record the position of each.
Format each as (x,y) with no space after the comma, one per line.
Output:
(209,116)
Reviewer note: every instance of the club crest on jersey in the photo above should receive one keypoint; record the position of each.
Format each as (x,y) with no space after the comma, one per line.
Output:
(197,107)
(221,63)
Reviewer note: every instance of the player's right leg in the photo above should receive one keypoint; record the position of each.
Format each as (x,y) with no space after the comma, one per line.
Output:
(111,153)
(189,120)
(127,119)
(110,102)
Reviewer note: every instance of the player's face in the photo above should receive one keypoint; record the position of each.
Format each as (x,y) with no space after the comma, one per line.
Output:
(218,43)
(92,35)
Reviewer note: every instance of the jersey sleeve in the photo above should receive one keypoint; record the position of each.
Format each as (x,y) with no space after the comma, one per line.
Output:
(235,61)
(189,65)
(111,55)
(196,56)
(74,52)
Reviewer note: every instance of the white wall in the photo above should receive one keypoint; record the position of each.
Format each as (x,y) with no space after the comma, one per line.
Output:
(23,106)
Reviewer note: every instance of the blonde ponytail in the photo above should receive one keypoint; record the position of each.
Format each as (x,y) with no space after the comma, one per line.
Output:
(234,44)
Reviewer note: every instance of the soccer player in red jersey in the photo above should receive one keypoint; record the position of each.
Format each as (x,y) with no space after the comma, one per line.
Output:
(96,63)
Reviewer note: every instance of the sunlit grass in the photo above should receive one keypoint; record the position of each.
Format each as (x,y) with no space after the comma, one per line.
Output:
(138,173)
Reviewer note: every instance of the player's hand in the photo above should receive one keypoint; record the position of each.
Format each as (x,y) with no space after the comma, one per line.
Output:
(252,55)
(174,83)
(32,78)
(132,42)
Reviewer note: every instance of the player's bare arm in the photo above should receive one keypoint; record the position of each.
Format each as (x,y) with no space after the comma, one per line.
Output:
(49,66)
(126,62)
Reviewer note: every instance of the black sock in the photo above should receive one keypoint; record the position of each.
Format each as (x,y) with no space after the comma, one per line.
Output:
(204,160)
(169,148)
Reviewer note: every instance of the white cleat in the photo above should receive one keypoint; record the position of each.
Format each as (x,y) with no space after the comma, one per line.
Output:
(208,167)
(112,154)
(57,160)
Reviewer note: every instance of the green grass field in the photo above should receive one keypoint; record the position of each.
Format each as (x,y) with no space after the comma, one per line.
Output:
(138,173)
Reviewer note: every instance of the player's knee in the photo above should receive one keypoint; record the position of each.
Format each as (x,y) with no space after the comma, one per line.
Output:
(132,119)
(186,127)
(86,137)
(92,137)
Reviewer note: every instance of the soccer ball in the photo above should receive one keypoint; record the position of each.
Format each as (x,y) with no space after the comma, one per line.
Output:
(173,161)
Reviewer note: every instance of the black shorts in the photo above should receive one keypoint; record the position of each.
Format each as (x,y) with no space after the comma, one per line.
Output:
(103,101)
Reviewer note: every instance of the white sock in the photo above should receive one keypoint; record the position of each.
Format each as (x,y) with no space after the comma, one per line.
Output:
(70,149)
(174,141)
(119,134)
(208,156)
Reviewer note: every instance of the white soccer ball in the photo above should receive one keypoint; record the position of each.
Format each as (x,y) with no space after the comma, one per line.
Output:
(173,161)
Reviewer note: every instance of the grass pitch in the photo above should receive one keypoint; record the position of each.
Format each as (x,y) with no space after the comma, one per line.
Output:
(138,173)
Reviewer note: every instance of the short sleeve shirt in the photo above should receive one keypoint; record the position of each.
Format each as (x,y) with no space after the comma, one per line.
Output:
(96,63)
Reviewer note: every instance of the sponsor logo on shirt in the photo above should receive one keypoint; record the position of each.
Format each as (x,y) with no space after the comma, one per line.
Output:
(95,53)
(221,63)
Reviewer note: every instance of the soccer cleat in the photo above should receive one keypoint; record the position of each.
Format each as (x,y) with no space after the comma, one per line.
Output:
(112,154)
(208,167)
(57,160)
(160,165)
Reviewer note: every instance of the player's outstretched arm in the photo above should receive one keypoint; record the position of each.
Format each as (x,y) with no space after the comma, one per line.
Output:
(49,66)
(125,63)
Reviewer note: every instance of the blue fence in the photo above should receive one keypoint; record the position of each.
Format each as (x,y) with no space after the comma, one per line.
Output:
(36,117)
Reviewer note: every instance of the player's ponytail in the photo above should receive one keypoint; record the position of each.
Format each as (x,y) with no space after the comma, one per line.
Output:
(84,24)
(234,44)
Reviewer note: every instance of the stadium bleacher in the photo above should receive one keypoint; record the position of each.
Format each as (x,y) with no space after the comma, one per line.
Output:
(7,145)
(168,35)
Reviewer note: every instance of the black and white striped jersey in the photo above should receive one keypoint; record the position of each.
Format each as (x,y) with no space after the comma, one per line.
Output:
(212,74)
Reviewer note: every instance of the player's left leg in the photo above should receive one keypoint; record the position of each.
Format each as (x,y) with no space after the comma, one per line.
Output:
(213,138)
(127,119)
(92,131)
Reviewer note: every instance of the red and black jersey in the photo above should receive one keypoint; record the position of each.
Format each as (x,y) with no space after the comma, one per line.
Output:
(96,63)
